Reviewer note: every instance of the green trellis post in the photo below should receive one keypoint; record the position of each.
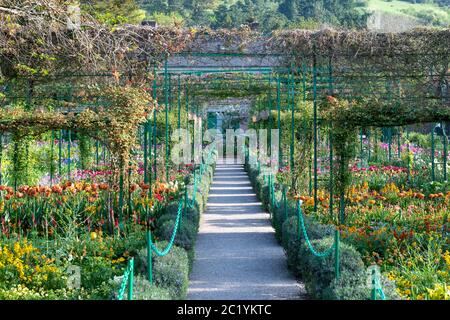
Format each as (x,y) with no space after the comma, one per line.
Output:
(1,158)
(390,144)
(315,129)
(52,138)
(155,96)
(269,99)
(361,148)
(129,188)
(103,152)
(121,191)
(445,154)
(280,155)
(97,148)
(304,72)
(375,144)
(145,151)
(149,152)
(169,80)
(292,96)
(330,137)
(407,158)
(60,152)
(304,81)
(179,102)
(166,107)
(69,140)
(330,141)
(433,169)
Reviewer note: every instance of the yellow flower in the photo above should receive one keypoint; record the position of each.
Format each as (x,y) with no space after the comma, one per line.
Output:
(93,236)
(120,260)
(446,257)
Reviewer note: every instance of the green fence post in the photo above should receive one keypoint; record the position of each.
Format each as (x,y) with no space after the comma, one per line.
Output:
(149,257)
(299,212)
(374,289)
(337,255)
(131,279)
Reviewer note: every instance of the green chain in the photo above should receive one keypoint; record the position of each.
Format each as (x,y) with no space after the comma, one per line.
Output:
(127,277)
(174,233)
(305,234)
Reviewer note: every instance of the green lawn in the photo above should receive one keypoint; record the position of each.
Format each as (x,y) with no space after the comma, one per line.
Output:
(438,14)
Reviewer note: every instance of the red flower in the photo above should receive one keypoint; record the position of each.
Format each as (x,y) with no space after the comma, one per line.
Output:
(159,197)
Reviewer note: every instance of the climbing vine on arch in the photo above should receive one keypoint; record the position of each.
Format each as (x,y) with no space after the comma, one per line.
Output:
(347,117)
(115,123)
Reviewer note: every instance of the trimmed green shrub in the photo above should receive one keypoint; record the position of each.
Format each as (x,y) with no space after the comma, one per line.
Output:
(143,290)
(314,229)
(318,273)
(186,233)
(169,272)
(191,214)
(353,286)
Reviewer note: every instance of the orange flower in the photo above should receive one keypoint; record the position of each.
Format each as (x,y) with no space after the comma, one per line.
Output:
(144,186)
(332,100)
(103,186)
(420,196)
(57,189)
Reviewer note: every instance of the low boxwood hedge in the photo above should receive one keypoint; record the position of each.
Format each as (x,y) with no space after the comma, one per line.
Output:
(170,272)
(317,273)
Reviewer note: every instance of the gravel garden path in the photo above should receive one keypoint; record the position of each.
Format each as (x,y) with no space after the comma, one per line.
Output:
(237,256)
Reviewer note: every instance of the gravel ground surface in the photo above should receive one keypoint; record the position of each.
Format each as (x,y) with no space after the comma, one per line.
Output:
(237,255)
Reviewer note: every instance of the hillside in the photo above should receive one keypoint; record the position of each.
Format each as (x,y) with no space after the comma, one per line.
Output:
(427,13)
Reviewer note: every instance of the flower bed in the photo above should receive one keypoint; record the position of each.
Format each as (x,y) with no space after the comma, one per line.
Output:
(47,231)
(405,232)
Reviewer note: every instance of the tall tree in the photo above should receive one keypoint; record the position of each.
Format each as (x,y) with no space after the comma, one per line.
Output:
(114,11)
